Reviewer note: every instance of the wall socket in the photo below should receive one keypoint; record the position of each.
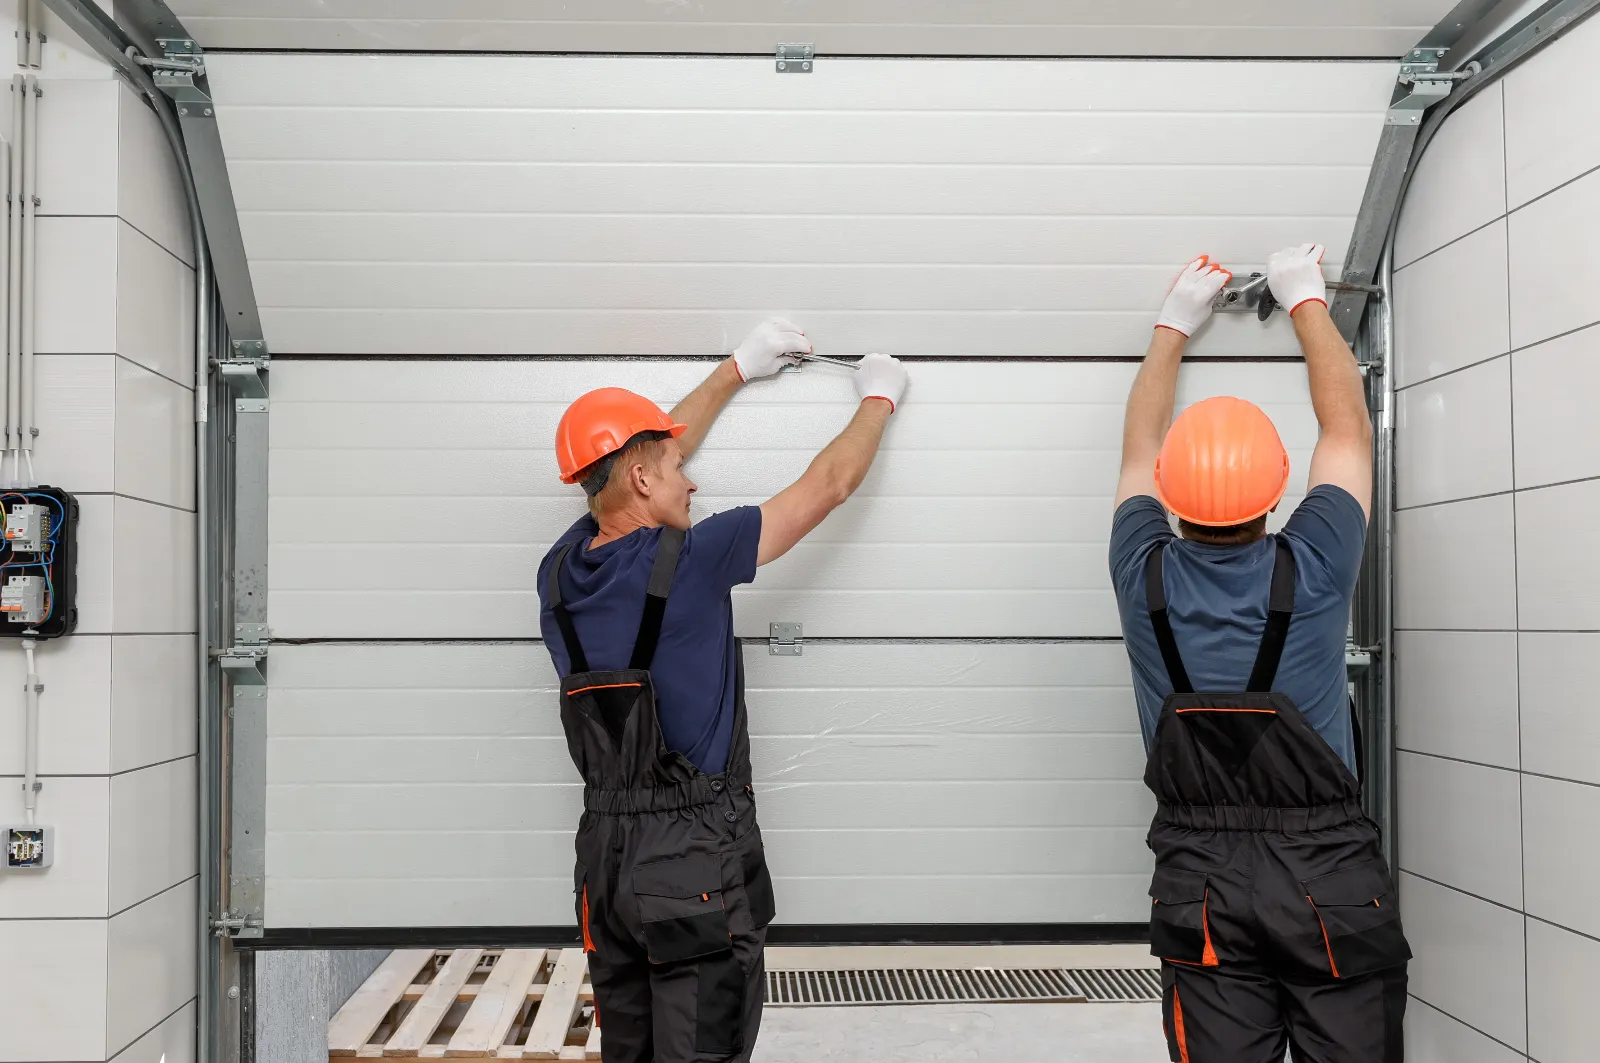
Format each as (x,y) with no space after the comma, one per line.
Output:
(29,848)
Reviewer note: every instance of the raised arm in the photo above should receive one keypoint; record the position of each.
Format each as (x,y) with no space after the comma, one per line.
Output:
(834,474)
(765,351)
(1344,448)
(1150,403)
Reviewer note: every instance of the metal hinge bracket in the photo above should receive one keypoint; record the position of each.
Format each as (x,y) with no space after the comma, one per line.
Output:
(1251,295)
(246,371)
(237,926)
(784,639)
(176,74)
(1420,86)
(795,58)
(245,664)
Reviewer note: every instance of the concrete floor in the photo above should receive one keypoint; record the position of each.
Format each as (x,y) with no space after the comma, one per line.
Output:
(1014,1033)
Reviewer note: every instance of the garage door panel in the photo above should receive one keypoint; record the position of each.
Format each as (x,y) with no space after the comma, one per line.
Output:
(578,83)
(982,899)
(1019,758)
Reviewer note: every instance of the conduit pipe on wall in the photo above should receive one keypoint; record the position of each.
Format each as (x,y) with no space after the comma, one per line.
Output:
(30,248)
(14,268)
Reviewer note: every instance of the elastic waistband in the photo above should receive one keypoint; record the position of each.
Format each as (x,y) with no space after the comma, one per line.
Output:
(1259,817)
(700,791)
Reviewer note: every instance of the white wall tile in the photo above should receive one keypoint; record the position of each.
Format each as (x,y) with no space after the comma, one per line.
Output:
(152,831)
(1453,436)
(1452,308)
(1457,694)
(54,1006)
(1552,387)
(1460,181)
(1560,736)
(77,146)
(1469,958)
(64,55)
(76,302)
(1563,982)
(1434,1037)
(155,307)
(1555,271)
(1551,117)
(153,569)
(74,710)
(1557,582)
(1562,870)
(75,412)
(1455,566)
(153,719)
(95,526)
(150,971)
(155,437)
(1461,824)
(75,887)
(149,190)
(171,1042)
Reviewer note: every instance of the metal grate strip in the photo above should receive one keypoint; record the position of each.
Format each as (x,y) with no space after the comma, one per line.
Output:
(927,985)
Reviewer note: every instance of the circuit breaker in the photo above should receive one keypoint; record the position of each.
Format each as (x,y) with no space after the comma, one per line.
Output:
(38,562)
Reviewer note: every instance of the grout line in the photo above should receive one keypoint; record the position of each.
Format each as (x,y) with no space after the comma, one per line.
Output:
(1452,242)
(163,1021)
(1561,926)
(159,893)
(108,774)
(1453,501)
(131,498)
(1498,767)
(1500,494)
(154,372)
(1453,372)
(1551,191)
(1468,1025)
(176,257)
(1465,893)
(1514,350)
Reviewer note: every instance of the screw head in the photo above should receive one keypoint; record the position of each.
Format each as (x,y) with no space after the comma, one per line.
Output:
(805,66)
(233,992)
(780,64)
(183,110)
(208,112)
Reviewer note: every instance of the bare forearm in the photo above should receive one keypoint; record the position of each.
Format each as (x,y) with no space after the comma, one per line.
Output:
(843,464)
(699,410)
(1336,392)
(1150,403)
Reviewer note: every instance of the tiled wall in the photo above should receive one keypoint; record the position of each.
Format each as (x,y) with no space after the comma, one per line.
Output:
(1497,306)
(99,950)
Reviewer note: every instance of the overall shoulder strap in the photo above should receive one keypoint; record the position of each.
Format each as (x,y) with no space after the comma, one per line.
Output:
(569,633)
(1155,594)
(1280,610)
(655,602)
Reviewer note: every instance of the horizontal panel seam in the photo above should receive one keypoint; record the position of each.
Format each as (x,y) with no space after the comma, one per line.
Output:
(152,1029)
(1450,243)
(1465,893)
(1468,1025)
(1452,372)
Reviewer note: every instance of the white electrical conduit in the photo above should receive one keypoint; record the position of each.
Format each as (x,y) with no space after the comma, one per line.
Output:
(30,248)
(14,273)
(5,301)
(30,781)
(35,35)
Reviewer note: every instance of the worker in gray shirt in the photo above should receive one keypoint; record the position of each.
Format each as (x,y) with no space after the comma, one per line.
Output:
(1271,905)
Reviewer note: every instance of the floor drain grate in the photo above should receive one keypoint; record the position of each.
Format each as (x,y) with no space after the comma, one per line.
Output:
(958,985)
(1117,984)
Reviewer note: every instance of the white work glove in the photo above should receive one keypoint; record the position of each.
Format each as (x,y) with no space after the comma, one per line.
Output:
(881,377)
(1189,302)
(1295,276)
(770,347)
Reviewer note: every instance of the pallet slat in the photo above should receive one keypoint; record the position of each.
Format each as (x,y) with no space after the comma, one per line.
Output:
(424,1018)
(548,1034)
(592,1049)
(362,1014)
(496,1004)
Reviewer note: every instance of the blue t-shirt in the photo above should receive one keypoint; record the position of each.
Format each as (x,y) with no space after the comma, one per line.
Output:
(1217,602)
(696,660)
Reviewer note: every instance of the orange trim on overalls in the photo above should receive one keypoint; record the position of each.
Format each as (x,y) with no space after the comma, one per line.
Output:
(1177,1025)
(1334,967)
(588,942)
(1208,957)
(1267,712)
(602,686)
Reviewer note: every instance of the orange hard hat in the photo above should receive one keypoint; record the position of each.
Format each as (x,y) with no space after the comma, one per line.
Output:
(1222,464)
(603,422)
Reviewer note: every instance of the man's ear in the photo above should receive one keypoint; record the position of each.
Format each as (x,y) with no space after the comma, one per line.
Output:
(639,478)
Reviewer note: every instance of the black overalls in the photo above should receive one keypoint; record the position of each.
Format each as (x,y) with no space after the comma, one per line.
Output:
(671,885)
(1271,905)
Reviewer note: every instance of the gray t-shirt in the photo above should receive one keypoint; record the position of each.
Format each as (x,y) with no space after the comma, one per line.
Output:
(1217,602)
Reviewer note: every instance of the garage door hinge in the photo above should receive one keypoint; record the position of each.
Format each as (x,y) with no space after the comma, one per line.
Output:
(794,58)
(245,664)
(1422,84)
(784,639)
(245,372)
(1360,658)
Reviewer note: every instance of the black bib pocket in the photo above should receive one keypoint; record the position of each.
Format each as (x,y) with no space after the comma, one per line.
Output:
(1360,920)
(1178,929)
(680,905)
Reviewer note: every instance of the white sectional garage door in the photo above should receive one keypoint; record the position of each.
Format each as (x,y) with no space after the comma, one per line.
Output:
(448,250)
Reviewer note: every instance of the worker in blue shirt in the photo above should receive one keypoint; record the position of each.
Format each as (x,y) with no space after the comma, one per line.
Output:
(672,889)
(1272,907)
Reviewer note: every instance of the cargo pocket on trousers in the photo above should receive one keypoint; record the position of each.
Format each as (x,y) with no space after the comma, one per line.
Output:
(580,900)
(1359,919)
(1179,930)
(758,886)
(719,1006)
(680,905)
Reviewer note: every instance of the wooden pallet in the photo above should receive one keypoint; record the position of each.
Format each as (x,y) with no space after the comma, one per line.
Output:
(471,1004)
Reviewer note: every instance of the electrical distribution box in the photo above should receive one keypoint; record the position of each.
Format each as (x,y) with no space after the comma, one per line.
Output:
(29,848)
(38,562)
